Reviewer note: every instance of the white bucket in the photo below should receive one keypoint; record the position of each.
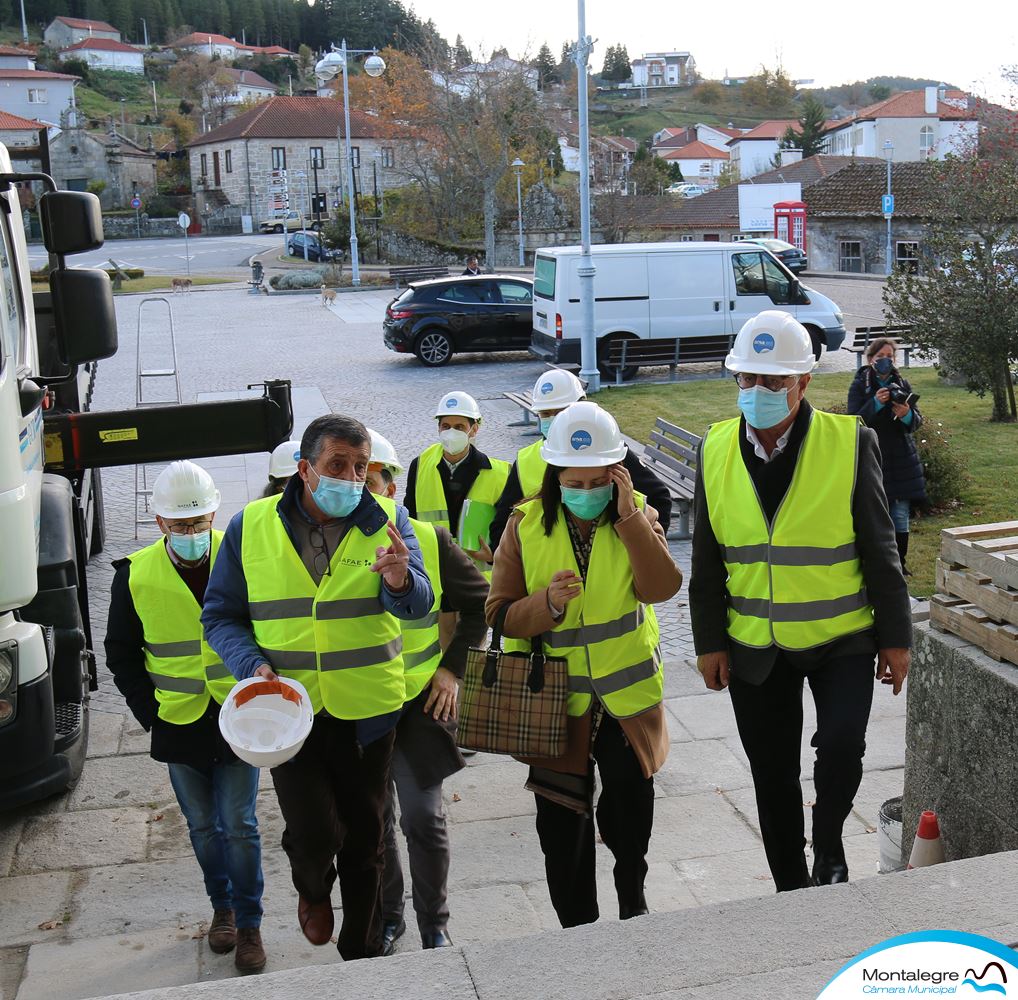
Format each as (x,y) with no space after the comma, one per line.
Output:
(889,836)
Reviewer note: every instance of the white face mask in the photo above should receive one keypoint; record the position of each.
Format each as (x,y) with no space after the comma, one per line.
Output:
(454,441)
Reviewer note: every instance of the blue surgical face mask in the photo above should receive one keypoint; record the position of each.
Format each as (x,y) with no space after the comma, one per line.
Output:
(337,497)
(763,407)
(883,366)
(545,424)
(586,504)
(191,547)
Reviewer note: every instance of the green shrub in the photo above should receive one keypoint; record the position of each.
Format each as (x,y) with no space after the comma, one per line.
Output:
(942,465)
(291,280)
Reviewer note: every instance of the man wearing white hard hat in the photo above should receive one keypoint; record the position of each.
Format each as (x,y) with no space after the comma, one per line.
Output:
(452,471)
(174,685)
(282,466)
(312,585)
(795,577)
(425,753)
(580,566)
(553,391)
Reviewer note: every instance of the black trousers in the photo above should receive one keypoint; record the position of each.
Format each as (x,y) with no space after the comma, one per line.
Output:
(625,816)
(332,796)
(769,717)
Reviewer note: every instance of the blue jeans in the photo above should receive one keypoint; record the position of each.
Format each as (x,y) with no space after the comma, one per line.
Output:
(900,509)
(219,806)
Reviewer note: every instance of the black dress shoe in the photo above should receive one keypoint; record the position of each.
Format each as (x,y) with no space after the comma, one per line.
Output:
(829,869)
(436,939)
(392,931)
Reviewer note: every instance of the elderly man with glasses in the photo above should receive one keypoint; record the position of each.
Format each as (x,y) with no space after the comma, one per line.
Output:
(795,577)
(312,585)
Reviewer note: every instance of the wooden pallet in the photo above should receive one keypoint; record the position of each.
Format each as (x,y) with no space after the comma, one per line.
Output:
(989,550)
(953,614)
(1000,603)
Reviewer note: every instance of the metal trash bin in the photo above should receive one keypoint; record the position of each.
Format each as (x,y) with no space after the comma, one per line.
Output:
(889,836)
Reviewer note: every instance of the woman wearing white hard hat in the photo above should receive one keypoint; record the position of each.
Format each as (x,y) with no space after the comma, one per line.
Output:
(580,565)
(282,465)
(553,391)
(174,685)
(795,576)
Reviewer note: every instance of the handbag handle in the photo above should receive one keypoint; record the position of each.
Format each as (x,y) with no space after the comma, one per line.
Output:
(535,680)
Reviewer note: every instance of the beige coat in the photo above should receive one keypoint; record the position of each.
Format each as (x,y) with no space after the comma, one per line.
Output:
(656,578)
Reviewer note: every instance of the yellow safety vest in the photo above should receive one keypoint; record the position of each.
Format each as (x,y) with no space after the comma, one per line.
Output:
(421,650)
(177,657)
(607,635)
(336,638)
(432,505)
(796,583)
(530,469)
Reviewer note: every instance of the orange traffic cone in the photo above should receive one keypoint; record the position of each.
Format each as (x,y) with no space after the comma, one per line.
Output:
(928,848)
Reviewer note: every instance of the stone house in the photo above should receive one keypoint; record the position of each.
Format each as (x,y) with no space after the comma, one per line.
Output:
(64,31)
(77,158)
(35,93)
(290,148)
(17,132)
(105,53)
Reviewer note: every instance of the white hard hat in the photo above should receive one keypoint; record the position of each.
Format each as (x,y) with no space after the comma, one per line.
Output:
(772,343)
(584,435)
(284,458)
(384,453)
(556,389)
(458,404)
(184,489)
(266,722)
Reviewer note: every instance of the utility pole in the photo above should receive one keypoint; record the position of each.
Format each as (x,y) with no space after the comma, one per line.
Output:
(144,25)
(24,23)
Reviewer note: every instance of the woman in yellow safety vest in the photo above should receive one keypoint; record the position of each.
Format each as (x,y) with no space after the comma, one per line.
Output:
(580,566)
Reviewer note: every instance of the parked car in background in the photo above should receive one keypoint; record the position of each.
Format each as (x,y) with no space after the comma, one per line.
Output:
(318,251)
(791,256)
(685,189)
(436,319)
(290,222)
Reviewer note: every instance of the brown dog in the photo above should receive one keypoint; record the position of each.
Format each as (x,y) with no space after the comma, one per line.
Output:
(328,296)
(181,284)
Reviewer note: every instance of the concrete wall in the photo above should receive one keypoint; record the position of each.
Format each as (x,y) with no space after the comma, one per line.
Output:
(59,35)
(56,93)
(123,62)
(824,238)
(961,738)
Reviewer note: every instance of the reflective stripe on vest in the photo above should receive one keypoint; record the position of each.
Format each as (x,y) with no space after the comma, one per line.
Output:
(530,469)
(178,660)
(796,583)
(336,638)
(609,639)
(430,496)
(421,650)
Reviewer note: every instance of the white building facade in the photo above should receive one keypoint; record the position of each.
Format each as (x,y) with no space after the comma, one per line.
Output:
(664,69)
(36,94)
(106,54)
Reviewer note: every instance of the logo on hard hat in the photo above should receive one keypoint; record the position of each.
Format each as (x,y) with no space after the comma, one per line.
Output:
(546,388)
(296,455)
(451,402)
(581,440)
(762,343)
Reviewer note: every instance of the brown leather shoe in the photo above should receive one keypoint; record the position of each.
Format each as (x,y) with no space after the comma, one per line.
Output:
(222,934)
(250,953)
(316,920)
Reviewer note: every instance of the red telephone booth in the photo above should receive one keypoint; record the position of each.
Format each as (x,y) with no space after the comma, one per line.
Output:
(790,223)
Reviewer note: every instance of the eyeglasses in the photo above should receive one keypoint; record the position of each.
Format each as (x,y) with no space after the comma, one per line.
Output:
(194,528)
(323,563)
(772,382)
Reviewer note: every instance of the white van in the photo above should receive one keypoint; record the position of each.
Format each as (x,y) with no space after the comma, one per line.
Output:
(693,296)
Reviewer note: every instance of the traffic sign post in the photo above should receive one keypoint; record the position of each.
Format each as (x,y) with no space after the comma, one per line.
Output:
(887,205)
(184,221)
(136,205)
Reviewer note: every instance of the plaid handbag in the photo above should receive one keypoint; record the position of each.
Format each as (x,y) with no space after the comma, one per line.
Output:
(513,703)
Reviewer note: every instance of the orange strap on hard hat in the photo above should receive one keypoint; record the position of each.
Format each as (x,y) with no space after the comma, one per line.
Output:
(266,687)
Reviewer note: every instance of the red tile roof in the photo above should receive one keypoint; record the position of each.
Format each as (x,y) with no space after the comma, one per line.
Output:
(696,151)
(621,141)
(34,74)
(856,190)
(12,50)
(772,129)
(296,118)
(912,104)
(733,132)
(15,123)
(249,78)
(203,38)
(269,50)
(103,45)
(84,25)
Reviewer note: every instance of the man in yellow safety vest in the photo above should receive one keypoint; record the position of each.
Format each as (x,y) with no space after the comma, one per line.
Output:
(795,576)
(174,684)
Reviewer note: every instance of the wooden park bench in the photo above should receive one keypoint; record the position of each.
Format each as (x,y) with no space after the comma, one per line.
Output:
(525,402)
(626,353)
(901,336)
(672,456)
(417,272)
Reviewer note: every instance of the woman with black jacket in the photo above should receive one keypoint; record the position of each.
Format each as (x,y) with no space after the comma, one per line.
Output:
(885,401)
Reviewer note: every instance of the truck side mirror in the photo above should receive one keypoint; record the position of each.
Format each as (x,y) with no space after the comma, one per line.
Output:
(72,221)
(83,314)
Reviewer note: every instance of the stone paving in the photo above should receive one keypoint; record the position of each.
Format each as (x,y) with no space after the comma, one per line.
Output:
(99,891)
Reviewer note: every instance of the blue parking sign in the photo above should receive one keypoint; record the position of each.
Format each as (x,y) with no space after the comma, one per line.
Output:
(887,204)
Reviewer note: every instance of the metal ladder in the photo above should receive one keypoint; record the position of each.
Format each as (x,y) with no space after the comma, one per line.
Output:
(142,490)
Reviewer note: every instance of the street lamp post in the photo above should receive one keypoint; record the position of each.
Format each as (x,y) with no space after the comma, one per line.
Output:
(518,166)
(327,67)
(889,156)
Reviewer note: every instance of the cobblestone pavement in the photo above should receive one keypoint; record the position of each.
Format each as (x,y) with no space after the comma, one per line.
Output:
(99,892)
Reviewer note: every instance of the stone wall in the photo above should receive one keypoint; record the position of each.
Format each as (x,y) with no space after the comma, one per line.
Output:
(125,227)
(961,744)
(402,248)
(825,236)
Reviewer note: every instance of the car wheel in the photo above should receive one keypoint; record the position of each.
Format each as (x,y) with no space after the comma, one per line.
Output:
(433,348)
(610,346)
(277,229)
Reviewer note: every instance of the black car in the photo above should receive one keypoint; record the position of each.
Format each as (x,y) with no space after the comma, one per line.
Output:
(436,319)
(791,256)
(317,250)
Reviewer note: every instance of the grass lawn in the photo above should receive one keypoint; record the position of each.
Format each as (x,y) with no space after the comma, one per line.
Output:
(153,283)
(988,451)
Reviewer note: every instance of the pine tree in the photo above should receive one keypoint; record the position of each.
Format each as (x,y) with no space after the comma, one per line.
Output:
(608,67)
(546,67)
(810,138)
(461,54)
(623,68)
